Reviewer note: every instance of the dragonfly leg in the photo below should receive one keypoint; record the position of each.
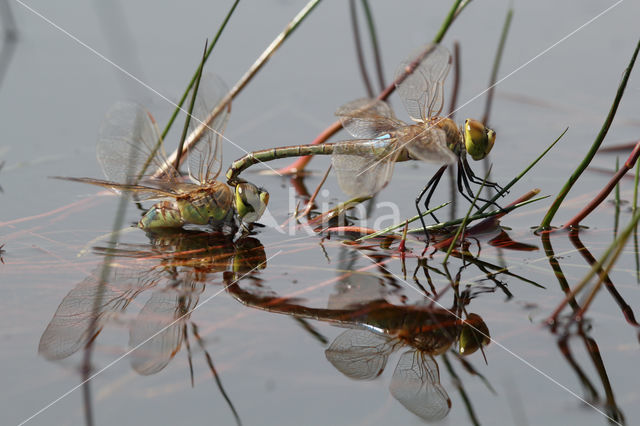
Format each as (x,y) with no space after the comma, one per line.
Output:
(475,179)
(464,180)
(430,186)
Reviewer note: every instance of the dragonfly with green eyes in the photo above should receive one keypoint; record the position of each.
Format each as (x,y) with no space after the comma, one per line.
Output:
(365,164)
(127,147)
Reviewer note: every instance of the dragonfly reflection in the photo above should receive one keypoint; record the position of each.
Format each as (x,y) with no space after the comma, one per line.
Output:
(378,328)
(176,268)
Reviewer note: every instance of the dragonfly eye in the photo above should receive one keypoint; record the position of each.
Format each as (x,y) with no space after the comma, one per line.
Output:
(251,201)
(478,139)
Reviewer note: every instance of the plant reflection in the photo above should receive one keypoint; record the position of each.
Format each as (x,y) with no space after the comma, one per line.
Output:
(376,329)
(576,327)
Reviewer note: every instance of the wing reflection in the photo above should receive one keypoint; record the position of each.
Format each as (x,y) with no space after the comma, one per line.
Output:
(376,329)
(175,266)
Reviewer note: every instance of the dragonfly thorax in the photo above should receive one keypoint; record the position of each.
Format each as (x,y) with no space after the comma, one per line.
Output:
(451,129)
(211,204)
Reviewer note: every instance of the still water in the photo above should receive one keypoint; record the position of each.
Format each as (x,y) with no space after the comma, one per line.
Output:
(290,328)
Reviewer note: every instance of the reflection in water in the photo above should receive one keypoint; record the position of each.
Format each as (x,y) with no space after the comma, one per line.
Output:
(591,395)
(576,326)
(9,40)
(175,267)
(377,329)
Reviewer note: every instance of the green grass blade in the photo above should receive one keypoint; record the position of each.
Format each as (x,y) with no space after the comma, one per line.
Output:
(521,174)
(186,92)
(401,224)
(476,216)
(546,221)
(466,218)
(195,136)
(496,64)
(185,129)
(374,42)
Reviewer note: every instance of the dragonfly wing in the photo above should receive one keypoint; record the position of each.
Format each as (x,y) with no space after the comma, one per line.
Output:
(367,118)
(431,146)
(127,143)
(416,385)
(156,333)
(422,91)
(143,191)
(205,158)
(364,167)
(69,329)
(359,354)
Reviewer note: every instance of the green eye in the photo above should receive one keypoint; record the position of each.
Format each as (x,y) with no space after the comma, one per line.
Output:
(478,139)
(251,202)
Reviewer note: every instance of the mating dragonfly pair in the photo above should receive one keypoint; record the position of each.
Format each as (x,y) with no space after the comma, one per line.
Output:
(364,165)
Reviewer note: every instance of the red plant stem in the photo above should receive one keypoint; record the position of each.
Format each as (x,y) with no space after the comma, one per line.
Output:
(299,165)
(633,157)
(358,229)
(310,203)
(488,222)
(619,147)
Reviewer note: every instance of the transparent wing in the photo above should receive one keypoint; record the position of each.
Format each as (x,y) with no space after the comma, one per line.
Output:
(158,331)
(126,143)
(368,118)
(143,191)
(422,92)
(205,158)
(359,354)
(416,385)
(69,329)
(431,146)
(364,167)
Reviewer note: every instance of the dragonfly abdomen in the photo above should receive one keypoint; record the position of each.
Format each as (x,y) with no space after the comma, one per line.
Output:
(275,153)
(164,214)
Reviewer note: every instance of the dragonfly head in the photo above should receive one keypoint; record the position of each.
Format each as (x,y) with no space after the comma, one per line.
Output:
(250,201)
(478,139)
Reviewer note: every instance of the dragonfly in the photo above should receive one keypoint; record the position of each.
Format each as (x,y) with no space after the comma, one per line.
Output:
(173,271)
(127,147)
(375,330)
(364,165)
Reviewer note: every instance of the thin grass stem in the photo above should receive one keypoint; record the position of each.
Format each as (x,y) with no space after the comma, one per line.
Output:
(400,225)
(195,136)
(374,42)
(496,65)
(521,174)
(299,165)
(185,129)
(602,195)
(186,92)
(546,221)
(465,219)
(359,53)
(616,218)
